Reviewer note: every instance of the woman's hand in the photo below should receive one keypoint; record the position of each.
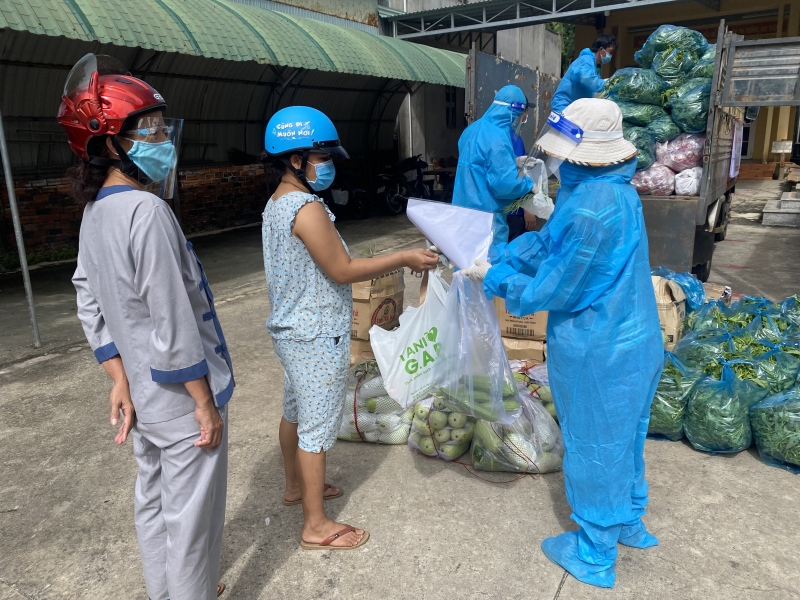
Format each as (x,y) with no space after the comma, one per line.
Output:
(419,260)
(530,220)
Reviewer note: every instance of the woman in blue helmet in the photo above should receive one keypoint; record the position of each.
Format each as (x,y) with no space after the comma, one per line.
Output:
(309,272)
(488,178)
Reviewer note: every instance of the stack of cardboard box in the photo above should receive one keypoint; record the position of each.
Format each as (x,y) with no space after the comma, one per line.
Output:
(376,302)
(525,338)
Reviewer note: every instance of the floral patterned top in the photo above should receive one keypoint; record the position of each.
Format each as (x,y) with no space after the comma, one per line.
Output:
(305,303)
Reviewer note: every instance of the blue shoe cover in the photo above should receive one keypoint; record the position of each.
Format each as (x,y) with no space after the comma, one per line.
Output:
(637,536)
(563,550)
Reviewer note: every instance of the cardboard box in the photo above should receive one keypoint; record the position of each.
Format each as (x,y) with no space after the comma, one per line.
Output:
(532,327)
(377,302)
(671,302)
(716,291)
(525,349)
(360,351)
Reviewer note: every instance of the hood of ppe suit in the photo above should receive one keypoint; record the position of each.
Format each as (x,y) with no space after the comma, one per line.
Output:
(589,267)
(487,178)
(580,81)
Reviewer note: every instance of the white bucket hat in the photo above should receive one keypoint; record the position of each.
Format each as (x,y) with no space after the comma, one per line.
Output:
(602,143)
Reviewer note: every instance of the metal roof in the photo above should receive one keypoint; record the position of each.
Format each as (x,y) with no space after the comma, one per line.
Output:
(233,31)
(492,15)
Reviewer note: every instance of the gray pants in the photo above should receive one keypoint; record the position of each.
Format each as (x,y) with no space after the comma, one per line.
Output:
(179,508)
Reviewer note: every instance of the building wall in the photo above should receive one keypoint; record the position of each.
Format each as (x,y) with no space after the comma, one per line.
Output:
(210,198)
(429,133)
(533,46)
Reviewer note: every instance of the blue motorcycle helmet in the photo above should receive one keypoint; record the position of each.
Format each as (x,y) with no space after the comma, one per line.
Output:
(301,130)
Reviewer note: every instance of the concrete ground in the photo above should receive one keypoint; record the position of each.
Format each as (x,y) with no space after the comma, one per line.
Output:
(727,524)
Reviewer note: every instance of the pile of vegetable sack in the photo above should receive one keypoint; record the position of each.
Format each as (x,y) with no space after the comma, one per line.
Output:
(665,98)
(439,431)
(370,415)
(531,444)
(734,378)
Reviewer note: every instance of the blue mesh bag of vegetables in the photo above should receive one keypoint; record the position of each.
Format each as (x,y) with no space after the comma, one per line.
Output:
(717,412)
(709,316)
(775,422)
(691,286)
(673,64)
(672,394)
(703,69)
(698,347)
(690,109)
(663,129)
(635,85)
(780,368)
(634,113)
(645,145)
(710,52)
(791,309)
(668,37)
(679,89)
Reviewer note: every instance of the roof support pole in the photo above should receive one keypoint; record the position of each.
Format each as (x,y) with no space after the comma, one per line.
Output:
(23,259)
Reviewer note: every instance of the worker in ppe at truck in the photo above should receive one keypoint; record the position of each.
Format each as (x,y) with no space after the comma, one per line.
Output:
(582,79)
(487,177)
(589,267)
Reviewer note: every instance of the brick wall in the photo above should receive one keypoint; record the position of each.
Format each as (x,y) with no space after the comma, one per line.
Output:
(210,198)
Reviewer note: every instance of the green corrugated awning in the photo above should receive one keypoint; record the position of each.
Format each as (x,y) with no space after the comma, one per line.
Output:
(237,32)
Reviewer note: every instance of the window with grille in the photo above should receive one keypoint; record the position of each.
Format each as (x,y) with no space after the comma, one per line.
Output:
(450,107)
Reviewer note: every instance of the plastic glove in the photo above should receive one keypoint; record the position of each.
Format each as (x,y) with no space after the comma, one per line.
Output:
(478,272)
(521,162)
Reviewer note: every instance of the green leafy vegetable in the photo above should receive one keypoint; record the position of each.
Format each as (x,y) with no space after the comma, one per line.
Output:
(775,423)
(690,110)
(663,129)
(635,85)
(668,37)
(669,403)
(640,114)
(673,63)
(645,145)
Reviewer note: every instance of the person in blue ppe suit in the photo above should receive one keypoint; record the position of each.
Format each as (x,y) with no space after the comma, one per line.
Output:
(582,79)
(520,220)
(589,267)
(487,177)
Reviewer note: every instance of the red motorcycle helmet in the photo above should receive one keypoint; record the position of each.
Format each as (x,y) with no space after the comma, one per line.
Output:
(99,95)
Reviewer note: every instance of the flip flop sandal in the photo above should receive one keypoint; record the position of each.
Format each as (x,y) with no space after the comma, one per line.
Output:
(220,589)
(326,544)
(300,500)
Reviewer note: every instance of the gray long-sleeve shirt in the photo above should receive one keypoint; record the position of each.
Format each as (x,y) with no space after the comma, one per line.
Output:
(143,295)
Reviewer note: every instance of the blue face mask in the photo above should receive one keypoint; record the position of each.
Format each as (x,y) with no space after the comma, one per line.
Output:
(156,160)
(326,172)
(606,59)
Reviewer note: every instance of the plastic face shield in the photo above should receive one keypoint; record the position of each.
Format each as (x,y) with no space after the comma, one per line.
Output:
(562,134)
(519,114)
(155,129)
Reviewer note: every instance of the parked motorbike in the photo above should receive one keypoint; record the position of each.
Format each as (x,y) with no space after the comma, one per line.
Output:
(344,199)
(402,181)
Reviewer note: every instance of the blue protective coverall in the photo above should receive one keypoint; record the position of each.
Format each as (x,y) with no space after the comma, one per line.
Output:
(589,267)
(487,177)
(580,81)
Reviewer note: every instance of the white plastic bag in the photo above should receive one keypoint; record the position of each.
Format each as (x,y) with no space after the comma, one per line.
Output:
(473,376)
(539,204)
(408,355)
(687,183)
(463,235)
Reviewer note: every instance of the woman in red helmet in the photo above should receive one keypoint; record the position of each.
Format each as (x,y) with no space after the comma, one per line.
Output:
(148,314)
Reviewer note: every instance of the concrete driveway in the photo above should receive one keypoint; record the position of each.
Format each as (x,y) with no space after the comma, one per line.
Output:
(728,525)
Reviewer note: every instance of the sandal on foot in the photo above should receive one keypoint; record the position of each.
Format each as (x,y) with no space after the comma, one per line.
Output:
(220,589)
(324,497)
(326,543)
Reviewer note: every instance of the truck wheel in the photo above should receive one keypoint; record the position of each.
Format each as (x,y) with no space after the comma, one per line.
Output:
(719,237)
(703,271)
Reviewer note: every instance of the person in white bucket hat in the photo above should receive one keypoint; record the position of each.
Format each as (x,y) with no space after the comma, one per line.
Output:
(589,267)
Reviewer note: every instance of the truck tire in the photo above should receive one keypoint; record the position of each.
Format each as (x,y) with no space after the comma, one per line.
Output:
(702,271)
(720,237)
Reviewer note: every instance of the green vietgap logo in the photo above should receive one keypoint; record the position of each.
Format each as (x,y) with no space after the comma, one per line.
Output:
(425,350)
